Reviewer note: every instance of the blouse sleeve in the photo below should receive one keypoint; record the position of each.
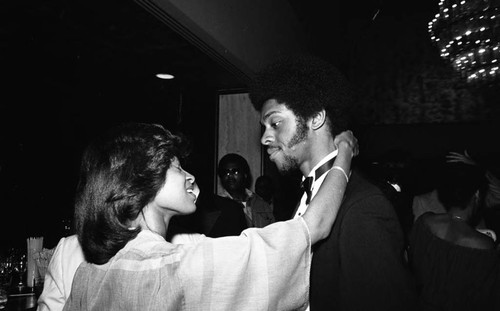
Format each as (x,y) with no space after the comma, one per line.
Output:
(262,269)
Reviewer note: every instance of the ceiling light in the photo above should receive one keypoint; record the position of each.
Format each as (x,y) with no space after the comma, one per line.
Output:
(471,30)
(164,76)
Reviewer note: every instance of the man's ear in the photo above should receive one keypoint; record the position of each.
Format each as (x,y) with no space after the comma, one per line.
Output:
(318,120)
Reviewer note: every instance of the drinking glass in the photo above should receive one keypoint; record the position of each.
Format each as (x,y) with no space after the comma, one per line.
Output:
(5,272)
(20,269)
(5,278)
(3,298)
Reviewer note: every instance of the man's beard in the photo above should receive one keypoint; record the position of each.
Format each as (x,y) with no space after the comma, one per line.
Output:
(290,163)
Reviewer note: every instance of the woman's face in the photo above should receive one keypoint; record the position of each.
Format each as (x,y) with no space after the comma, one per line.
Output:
(179,193)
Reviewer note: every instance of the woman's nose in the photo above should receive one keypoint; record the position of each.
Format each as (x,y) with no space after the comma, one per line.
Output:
(190,177)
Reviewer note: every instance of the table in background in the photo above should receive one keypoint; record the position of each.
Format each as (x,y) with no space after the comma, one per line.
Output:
(22,300)
(20,303)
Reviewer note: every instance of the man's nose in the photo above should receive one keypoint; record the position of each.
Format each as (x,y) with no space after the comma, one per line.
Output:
(266,138)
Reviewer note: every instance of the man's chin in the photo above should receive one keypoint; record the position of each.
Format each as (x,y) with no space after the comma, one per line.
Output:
(278,162)
(285,169)
(287,165)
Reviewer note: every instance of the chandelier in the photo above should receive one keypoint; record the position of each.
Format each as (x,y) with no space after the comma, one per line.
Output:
(467,34)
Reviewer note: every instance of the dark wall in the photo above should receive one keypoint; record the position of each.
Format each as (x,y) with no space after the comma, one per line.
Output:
(44,134)
(422,147)
(431,140)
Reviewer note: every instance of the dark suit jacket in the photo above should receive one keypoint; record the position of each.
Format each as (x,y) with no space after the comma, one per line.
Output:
(219,216)
(360,265)
(215,217)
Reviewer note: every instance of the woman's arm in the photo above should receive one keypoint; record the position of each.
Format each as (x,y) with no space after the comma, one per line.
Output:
(323,209)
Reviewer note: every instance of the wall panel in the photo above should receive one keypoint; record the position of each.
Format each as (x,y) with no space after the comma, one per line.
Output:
(239,131)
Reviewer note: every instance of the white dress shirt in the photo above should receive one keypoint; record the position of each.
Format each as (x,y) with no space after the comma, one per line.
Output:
(316,185)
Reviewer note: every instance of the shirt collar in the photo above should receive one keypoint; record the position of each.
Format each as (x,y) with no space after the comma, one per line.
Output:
(224,193)
(327,158)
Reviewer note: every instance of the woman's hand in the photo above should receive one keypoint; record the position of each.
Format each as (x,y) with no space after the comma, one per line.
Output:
(324,207)
(455,157)
(347,140)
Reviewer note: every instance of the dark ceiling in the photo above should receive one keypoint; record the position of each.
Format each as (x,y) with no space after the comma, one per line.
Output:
(80,44)
(70,42)
(94,61)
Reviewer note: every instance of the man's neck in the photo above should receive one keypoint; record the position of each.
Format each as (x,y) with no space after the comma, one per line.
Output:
(317,153)
(240,195)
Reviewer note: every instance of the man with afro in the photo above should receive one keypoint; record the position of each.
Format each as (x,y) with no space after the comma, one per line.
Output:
(304,102)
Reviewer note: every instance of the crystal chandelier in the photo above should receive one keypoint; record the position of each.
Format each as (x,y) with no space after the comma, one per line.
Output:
(468,35)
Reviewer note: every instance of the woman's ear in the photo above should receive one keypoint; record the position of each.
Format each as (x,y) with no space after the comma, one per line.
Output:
(318,120)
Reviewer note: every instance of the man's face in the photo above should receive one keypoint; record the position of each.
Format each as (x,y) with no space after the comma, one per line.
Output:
(232,177)
(284,135)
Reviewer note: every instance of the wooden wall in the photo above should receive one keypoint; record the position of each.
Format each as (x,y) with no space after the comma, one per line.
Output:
(239,132)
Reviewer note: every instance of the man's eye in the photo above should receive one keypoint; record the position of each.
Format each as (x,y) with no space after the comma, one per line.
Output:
(275,124)
(232,172)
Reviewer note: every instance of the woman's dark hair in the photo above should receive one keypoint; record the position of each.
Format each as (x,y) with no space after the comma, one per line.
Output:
(305,84)
(458,183)
(121,172)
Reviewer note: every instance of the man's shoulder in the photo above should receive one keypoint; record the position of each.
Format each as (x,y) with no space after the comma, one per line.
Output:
(360,185)
(258,203)
(219,198)
(222,202)
(364,197)
(427,196)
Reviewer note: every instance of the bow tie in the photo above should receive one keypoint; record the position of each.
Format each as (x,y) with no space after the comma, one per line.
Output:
(307,183)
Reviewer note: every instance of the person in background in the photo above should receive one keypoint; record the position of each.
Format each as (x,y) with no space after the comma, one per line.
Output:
(303,103)
(456,267)
(234,174)
(132,184)
(392,172)
(264,187)
(429,202)
(218,216)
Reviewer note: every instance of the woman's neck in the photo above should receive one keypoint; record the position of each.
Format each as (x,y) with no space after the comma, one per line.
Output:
(459,218)
(459,215)
(153,220)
